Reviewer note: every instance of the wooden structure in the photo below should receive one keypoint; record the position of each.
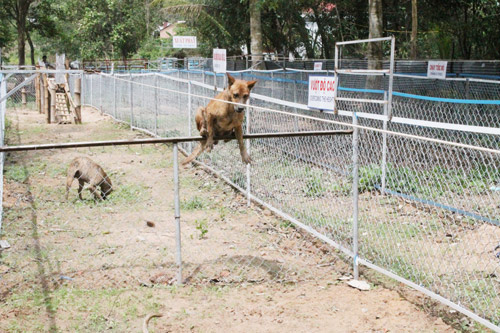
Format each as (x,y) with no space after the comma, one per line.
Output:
(55,100)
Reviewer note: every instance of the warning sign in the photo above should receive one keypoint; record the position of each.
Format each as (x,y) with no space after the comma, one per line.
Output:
(321,92)
(437,69)
(219,60)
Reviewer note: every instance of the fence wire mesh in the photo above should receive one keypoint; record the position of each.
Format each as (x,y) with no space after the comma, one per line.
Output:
(429,213)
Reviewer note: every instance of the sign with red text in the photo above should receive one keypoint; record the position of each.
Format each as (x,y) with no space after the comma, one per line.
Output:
(437,69)
(321,92)
(318,66)
(219,60)
(184,42)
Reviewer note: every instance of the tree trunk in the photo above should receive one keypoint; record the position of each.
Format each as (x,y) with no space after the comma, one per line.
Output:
(376,30)
(256,33)
(32,48)
(21,27)
(414,28)
(375,53)
(147,7)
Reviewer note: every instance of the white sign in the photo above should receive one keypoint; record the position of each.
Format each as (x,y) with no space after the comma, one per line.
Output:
(184,42)
(318,66)
(437,69)
(321,92)
(219,60)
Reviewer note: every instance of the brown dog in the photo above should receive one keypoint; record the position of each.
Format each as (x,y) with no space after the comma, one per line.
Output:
(87,171)
(223,119)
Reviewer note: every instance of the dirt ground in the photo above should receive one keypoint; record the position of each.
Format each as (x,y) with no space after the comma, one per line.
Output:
(97,266)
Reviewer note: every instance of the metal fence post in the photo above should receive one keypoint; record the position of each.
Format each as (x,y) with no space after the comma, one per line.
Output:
(355,194)
(272,84)
(82,92)
(114,96)
(190,120)
(391,78)
(295,91)
(131,100)
(248,150)
(178,256)
(100,93)
(284,84)
(156,104)
(92,90)
(384,145)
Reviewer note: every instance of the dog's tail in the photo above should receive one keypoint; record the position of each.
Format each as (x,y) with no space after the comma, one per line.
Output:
(196,152)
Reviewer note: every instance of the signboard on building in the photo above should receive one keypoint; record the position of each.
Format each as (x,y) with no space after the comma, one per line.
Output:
(318,66)
(219,62)
(437,69)
(184,42)
(321,92)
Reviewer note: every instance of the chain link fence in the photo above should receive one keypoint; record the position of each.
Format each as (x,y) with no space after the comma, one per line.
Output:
(16,90)
(428,210)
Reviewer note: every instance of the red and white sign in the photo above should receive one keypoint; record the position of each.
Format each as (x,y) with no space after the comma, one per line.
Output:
(219,60)
(321,92)
(437,69)
(184,42)
(318,66)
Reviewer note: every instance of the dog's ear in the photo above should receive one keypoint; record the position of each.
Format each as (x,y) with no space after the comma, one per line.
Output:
(250,84)
(230,79)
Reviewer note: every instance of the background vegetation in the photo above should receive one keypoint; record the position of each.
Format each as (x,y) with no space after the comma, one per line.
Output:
(94,29)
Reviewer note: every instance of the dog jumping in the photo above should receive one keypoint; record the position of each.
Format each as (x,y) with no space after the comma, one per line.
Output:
(87,171)
(219,119)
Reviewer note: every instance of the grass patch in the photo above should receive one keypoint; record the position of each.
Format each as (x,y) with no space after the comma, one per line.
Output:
(128,194)
(194,203)
(16,173)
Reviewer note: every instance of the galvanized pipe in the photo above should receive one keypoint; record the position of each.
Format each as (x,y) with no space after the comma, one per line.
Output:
(165,140)
(131,101)
(156,104)
(384,146)
(355,195)
(177,216)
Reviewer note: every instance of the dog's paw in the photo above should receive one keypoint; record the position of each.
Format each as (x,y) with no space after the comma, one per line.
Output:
(209,147)
(246,159)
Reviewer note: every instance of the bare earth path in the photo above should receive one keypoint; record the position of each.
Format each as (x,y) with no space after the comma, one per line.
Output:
(82,266)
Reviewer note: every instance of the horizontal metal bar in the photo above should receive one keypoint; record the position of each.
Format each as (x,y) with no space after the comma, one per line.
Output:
(361,100)
(362,71)
(165,140)
(364,41)
(43,71)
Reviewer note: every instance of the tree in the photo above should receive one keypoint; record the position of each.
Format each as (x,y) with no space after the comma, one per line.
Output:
(17,13)
(375,53)
(414,28)
(256,32)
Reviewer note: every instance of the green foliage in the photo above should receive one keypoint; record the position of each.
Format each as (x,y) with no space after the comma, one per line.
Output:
(194,203)
(125,28)
(202,227)
(314,185)
(369,177)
